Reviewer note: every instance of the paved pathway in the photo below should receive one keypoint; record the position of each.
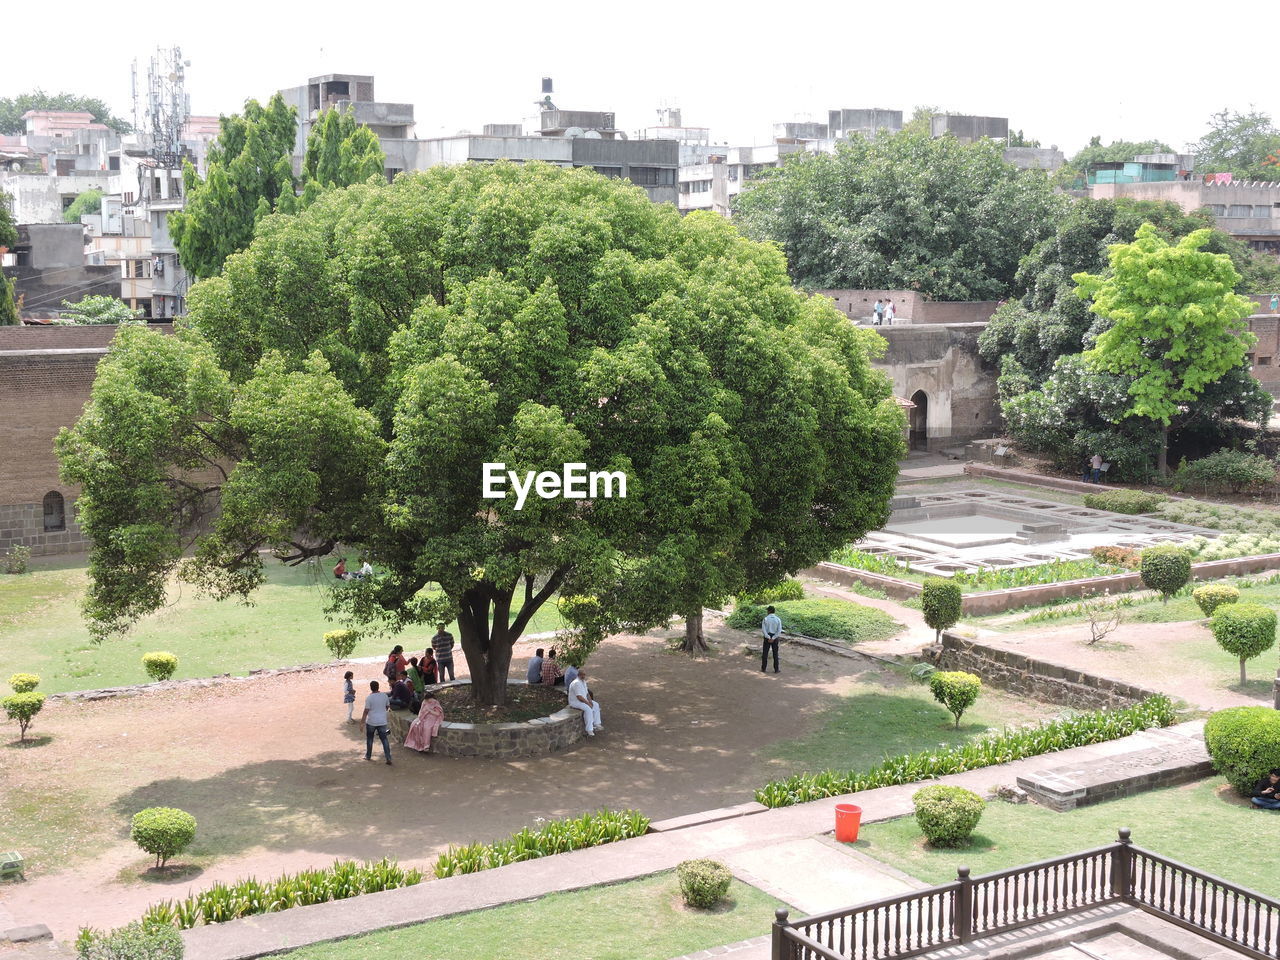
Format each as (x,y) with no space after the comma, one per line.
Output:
(777,847)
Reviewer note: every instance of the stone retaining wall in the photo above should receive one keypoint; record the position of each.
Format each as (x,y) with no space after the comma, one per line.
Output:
(1038,679)
(507,741)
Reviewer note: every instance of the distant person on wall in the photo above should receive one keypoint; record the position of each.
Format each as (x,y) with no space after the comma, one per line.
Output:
(878,310)
(426,725)
(1275,303)
(551,672)
(374,719)
(442,646)
(349,695)
(770,630)
(580,699)
(890,311)
(1266,794)
(534,673)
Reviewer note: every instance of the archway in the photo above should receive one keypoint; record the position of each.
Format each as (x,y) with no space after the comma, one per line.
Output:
(918,439)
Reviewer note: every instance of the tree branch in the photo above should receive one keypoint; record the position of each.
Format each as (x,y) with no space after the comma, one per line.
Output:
(532,606)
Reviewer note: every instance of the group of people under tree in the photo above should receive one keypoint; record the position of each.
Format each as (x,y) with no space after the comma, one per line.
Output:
(340,571)
(545,670)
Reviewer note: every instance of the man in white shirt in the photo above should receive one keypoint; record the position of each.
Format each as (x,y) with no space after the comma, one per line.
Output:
(374,719)
(771,630)
(581,699)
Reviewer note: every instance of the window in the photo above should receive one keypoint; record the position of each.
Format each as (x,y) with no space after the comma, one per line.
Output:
(1218,209)
(113,162)
(128,199)
(1264,361)
(1240,210)
(55,512)
(612,172)
(1261,210)
(652,176)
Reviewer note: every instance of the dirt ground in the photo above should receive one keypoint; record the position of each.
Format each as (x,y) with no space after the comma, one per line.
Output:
(1174,658)
(277,780)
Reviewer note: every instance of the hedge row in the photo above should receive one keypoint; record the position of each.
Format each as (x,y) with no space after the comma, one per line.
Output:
(555,836)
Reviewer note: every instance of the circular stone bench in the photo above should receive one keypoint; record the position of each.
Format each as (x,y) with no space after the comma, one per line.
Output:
(530,738)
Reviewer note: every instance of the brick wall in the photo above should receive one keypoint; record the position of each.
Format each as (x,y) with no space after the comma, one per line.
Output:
(48,337)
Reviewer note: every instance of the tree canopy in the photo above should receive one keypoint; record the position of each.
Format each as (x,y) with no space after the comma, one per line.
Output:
(346,377)
(98,309)
(907,211)
(1118,151)
(340,152)
(1244,144)
(8,229)
(12,109)
(90,201)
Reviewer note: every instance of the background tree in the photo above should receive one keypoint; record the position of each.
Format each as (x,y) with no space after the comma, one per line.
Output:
(1018,139)
(8,306)
(249,171)
(1239,143)
(90,201)
(1118,151)
(12,109)
(1177,327)
(98,309)
(903,211)
(8,229)
(346,376)
(340,152)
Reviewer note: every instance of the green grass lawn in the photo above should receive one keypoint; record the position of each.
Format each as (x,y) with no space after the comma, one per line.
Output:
(1204,825)
(41,630)
(890,716)
(638,920)
(826,618)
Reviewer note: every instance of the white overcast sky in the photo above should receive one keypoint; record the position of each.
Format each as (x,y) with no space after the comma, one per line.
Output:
(1061,72)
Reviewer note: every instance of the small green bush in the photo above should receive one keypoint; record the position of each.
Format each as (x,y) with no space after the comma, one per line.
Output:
(1233,470)
(940,601)
(825,618)
(137,941)
(1214,595)
(947,815)
(703,883)
(1166,569)
(159,664)
(163,831)
(1124,501)
(1244,630)
(555,836)
(341,643)
(1244,743)
(24,682)
(22,708)
(16,560)
(789,589)
(955,690)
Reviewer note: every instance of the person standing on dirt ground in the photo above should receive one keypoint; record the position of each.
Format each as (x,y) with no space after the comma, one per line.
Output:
(442,644)
(771,630)
(349,695)
(374,719)
(1095,468)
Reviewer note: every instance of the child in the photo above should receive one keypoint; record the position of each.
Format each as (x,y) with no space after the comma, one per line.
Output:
(349,695)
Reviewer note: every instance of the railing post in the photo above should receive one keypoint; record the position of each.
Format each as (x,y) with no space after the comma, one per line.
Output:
(964,906)
(781,948)
(1122,867)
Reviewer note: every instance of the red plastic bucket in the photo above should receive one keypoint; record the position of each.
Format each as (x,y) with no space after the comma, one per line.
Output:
(848,818)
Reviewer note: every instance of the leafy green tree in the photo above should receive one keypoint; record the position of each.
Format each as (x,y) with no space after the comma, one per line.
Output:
(907,211)
(1118,151)
(98,309)
(1239,143)
(1244,630)
(1018,139)
(12,109)
(8,307)
(1176,324)
(88,202)
(341,152)
(8,229)
(249,172)
(346,377)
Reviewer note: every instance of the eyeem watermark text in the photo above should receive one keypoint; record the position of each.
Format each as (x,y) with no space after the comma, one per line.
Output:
(572,483)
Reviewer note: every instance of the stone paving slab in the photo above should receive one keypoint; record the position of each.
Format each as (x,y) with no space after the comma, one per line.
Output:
(813,876)
(612,863)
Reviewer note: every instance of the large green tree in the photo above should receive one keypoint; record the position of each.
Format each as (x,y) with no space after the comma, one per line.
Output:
(12,109)
(1176,328)
(249,171)
(1241,144)
(345,379)
(947,219)
(8,239)
(8,229)
(340,152)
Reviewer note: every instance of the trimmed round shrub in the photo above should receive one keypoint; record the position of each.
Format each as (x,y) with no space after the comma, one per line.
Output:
(23,707)
(159,664)
(940,601)
(1244,743)
(24,682)
(1166,569)
(1244,630)
(1214,595)
(163,831)
(341,643)
(132,942)
(947,815)
(703,883)
(1124,501)
(955,690)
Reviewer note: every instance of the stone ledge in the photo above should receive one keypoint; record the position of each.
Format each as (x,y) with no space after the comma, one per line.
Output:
(707,816)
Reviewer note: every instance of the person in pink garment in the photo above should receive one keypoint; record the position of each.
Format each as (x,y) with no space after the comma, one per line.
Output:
(425,725)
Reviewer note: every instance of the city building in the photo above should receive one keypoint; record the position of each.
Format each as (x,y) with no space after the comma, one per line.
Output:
(713,185)
(969,129)
(862,122)
(1247,210)
(48,266)
(352,93)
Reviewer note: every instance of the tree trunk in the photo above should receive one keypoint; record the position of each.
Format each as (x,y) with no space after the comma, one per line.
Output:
(1243,681)
(694,642)
(1162,461)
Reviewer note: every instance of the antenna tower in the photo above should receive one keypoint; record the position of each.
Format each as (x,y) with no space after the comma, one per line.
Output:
(166,107)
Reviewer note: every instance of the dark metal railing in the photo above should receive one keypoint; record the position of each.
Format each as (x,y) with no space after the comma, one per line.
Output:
(972,907)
